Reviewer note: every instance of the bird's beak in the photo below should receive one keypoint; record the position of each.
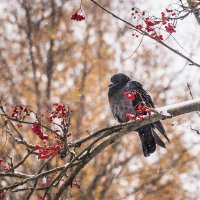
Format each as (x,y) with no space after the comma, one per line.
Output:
(110,84)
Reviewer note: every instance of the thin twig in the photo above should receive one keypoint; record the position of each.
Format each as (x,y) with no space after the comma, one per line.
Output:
(146,34)
(190,92)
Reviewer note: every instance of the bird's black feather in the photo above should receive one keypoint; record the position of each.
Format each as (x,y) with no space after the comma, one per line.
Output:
(147,139)
(144,96)
(158,140)
(120,105)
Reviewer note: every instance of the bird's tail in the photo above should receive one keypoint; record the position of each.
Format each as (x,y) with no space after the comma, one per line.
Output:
(147,139)
(161,129)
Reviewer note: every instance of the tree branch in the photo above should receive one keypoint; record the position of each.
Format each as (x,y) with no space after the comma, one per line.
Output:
(146,34)
(160,114)
(100,140)
(29,33)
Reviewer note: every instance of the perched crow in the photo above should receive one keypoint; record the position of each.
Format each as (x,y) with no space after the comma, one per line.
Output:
(121,105)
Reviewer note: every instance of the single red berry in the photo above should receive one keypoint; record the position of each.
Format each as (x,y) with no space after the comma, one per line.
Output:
(141,118)
(37,147)
(19,125)
(5,168)
(139,26)
(69,134)
(168,10)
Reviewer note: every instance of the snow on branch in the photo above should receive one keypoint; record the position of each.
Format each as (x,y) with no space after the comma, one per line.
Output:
(116,132)
(72,154)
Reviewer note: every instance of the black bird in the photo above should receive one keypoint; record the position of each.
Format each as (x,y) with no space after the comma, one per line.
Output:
(121,105)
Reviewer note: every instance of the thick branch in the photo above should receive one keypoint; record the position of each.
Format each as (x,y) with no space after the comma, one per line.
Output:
(103,138)
(161,114)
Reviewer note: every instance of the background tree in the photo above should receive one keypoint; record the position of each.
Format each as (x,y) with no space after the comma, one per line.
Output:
(45,58)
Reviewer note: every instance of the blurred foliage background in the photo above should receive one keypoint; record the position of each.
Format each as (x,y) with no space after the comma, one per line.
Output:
(45,57)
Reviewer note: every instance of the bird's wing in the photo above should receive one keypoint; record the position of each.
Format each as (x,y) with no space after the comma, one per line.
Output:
(142,95)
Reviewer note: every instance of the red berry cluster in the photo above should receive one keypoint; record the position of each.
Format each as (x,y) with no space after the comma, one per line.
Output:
(143,110)
(170,28)
(2,196)
(3,167)
(20,112)
(130,94)
(48,150)
(60,111)
(153,25)
(38,130)
(140,111)
(77,17)
(130,116)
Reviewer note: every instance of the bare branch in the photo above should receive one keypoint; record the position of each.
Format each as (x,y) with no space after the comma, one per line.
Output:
(29,33)
(190,91)
(146,34)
